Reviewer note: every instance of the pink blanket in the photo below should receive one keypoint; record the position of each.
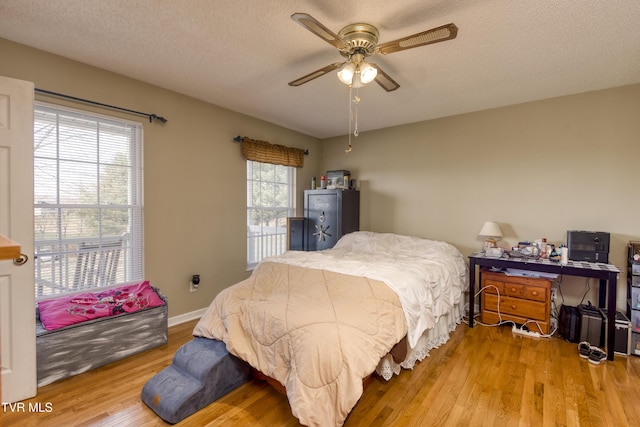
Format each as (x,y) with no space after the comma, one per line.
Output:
(70,309)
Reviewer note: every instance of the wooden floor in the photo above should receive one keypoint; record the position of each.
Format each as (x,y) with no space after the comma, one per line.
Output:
(482,377)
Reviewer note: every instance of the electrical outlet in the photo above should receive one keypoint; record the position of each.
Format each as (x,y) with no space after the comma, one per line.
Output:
(553,294)
(194,283)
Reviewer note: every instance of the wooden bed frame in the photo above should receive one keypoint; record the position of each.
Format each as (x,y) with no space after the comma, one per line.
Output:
(398,352)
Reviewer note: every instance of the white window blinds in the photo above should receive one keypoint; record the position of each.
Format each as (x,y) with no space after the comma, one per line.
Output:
(88,210)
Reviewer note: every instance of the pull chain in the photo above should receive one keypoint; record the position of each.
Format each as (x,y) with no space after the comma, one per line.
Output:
(348,150)
(353,118)
(356,100)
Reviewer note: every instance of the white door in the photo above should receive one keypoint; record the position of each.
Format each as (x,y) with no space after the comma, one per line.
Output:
(17,294)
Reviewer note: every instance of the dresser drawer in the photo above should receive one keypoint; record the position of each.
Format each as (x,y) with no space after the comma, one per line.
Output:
(538,293)
(492,286)
(514,290)
(519,307)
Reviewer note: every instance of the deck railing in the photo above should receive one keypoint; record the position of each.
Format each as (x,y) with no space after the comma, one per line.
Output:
(57,263)
(263,242)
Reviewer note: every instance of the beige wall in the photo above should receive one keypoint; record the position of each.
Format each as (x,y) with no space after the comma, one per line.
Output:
(195,177)
(539,169)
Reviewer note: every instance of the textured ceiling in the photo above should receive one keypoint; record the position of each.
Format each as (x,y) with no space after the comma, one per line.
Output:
(240,54)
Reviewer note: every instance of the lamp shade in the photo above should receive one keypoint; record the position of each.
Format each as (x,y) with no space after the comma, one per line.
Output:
(346,73)
(490,229)
(367,72)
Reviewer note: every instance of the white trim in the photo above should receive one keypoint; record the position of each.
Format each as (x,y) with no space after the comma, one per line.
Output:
(181,318)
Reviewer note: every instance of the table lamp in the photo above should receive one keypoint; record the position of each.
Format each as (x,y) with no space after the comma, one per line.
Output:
(490,230)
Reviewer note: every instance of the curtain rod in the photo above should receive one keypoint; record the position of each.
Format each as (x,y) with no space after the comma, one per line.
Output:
(241,138)
(151,117)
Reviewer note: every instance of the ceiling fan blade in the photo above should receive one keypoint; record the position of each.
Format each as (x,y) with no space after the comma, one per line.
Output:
(434,35)
(316,74)
(383,79)
(313,25)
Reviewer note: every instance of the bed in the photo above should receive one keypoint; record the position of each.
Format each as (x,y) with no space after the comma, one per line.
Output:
(318,323)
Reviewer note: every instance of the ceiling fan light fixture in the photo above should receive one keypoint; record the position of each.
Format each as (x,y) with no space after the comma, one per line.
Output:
(345,74)
(355,42)
(367,72)
(359,41)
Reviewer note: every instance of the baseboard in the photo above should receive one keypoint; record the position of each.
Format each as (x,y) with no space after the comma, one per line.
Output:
(181,318)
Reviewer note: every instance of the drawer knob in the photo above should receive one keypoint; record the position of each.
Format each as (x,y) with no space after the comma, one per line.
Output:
(513,289)
(534,293)
(513,306)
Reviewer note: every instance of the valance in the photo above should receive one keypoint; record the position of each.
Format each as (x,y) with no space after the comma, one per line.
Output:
(265,152)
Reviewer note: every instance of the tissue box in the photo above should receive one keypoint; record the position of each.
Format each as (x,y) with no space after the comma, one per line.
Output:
(494,253)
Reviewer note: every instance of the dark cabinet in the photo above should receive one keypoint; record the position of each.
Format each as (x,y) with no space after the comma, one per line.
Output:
(295,233)
(329,214)
(633,296)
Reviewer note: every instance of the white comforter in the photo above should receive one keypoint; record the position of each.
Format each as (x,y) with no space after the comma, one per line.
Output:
(428,276)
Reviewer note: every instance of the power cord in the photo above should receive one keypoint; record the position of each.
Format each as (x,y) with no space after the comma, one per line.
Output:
(500,321)
(588,285)
(521,330)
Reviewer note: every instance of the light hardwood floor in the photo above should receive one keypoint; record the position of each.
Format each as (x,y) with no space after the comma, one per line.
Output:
(482,377)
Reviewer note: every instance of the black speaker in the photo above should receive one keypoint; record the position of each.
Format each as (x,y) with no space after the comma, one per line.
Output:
(569,323)
(295,233)
(592,325)
(590,246)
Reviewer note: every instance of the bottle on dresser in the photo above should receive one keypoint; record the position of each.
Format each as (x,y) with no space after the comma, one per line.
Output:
(544,248)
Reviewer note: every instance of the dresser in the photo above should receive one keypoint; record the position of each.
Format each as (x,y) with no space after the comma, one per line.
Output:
(521,299)
(329,214)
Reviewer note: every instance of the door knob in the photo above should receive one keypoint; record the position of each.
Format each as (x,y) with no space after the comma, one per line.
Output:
(22,259)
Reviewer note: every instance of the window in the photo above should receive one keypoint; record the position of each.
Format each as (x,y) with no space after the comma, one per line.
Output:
(270,200)
(87,201)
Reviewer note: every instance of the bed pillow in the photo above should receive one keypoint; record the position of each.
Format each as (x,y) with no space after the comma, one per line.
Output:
(71,309)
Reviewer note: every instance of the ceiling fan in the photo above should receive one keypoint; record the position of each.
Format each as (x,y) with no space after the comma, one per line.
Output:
(359,41)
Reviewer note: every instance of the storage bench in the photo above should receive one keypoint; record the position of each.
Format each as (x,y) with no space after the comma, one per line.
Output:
(74,349)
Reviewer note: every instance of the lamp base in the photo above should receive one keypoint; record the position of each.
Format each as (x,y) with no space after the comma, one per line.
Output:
(490,242)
